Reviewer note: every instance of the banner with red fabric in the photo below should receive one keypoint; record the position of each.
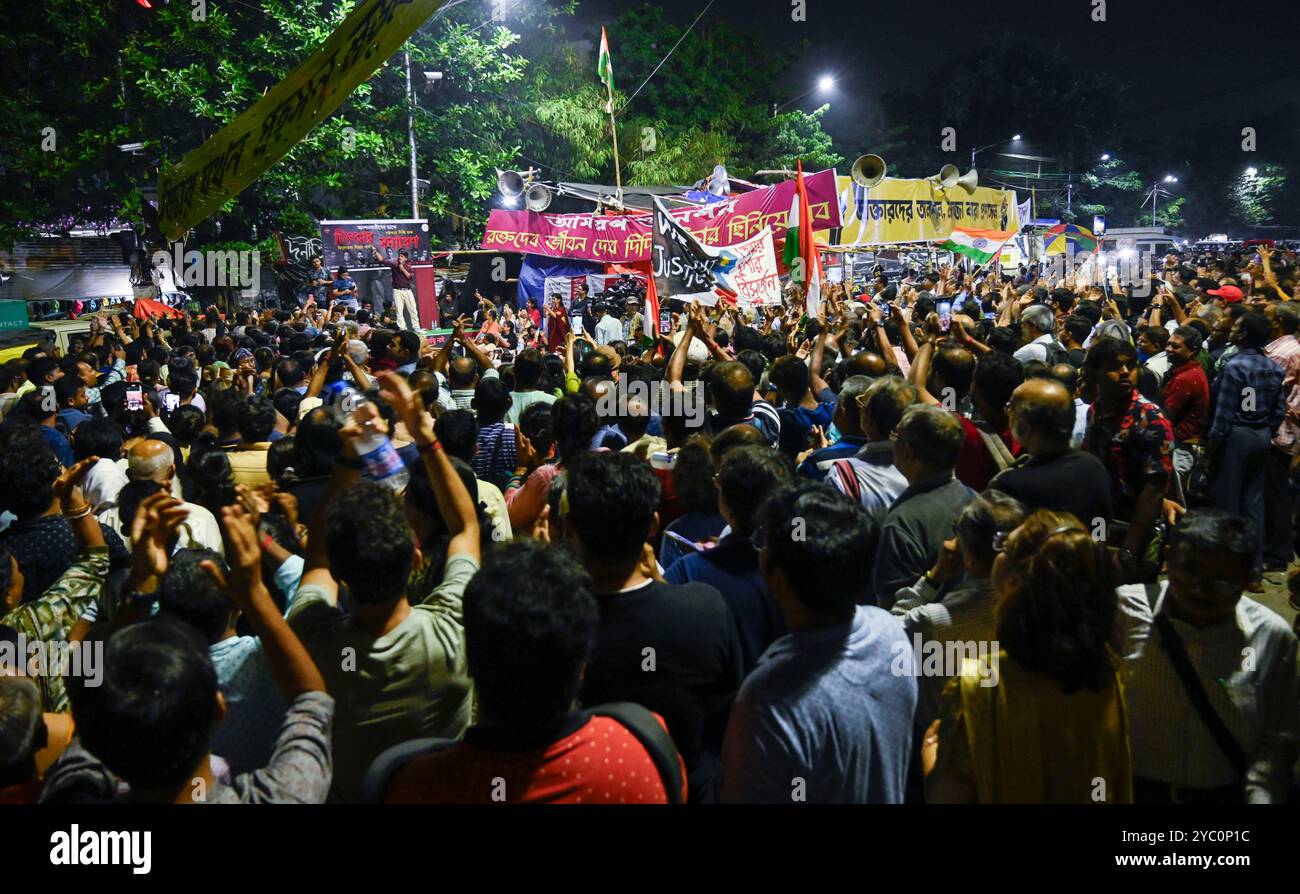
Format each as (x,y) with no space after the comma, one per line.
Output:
(627,238)
(147,307)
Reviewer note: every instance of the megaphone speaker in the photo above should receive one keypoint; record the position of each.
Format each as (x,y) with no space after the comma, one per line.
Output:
(537,198)
(511,183)
(868,171)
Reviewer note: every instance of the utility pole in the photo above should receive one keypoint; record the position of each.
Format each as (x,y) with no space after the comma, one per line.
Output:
(410,134)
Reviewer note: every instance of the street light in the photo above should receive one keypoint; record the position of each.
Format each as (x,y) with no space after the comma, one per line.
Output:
(1105,156)
(1154,194)
(1251,172)
(974,152)
(825,84)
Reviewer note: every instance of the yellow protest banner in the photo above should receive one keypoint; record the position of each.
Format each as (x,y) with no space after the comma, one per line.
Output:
(920,211)
(225,165)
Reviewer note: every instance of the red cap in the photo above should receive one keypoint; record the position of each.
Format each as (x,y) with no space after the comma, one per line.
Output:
(1230,294)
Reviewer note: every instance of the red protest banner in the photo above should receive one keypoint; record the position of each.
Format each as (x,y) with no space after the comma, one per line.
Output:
(627,238)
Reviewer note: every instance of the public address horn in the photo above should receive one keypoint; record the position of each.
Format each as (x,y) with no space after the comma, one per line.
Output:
(949,176)
(537,198)
(510,183)
(868,171)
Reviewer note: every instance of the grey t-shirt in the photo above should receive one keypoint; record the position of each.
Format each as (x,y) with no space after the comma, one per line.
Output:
(298,773)
(410,683)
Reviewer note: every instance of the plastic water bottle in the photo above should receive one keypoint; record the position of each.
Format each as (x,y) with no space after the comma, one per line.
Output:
(381,460)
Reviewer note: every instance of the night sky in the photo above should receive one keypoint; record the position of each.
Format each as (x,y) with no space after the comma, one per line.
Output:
(1189,63)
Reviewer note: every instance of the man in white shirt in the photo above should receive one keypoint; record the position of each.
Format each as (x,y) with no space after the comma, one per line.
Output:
(155,461)
(1232,735)
(1151,342)
(608,329)
(1036,325)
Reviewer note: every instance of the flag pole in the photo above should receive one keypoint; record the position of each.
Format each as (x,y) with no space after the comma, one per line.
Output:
(613,130)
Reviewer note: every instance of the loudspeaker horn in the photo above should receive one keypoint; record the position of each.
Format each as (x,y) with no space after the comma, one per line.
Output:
(719,183)
(868,171)
(511,183)
(947,177)
(969,180)
(538,197)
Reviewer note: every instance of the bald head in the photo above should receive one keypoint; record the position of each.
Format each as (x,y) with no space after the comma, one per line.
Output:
(866,363)
(461,372)
(1042,415)
(151,460)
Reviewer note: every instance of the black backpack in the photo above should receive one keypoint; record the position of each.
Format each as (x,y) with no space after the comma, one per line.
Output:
(1056,353)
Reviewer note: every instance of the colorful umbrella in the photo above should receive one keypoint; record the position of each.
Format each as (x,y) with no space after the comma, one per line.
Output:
(1055,239)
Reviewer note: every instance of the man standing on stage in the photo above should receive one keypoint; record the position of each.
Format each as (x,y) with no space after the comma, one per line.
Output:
(408,317)
(580,308)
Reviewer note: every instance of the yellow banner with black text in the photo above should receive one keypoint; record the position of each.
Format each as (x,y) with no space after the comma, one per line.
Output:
(897,211)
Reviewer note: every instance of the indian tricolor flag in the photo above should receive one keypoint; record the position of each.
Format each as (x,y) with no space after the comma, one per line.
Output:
(981,246)
(800,253)
(604,65)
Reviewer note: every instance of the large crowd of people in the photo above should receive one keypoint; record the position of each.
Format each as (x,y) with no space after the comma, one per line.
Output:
(954,537)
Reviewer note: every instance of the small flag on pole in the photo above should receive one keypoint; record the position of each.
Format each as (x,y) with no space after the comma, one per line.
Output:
(604,67)
(605,71)
(801,254)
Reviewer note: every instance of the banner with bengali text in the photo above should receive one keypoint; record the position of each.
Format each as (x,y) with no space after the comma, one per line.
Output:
(920,211)
(348,243)
(225,165)
(627,238)
(748,271)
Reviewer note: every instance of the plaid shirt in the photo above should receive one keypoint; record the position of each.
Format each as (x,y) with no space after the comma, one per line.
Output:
(1263,406)
(1285,352)
(1136,450)
(50,618)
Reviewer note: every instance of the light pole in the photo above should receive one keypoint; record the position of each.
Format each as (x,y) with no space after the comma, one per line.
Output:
(974,152)
(1155,192)
(410,134)
(825,84)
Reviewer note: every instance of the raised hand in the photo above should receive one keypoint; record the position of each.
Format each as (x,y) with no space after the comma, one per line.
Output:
(69,481)
(155,524)
(243,555)
(525,454)
(394,389)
